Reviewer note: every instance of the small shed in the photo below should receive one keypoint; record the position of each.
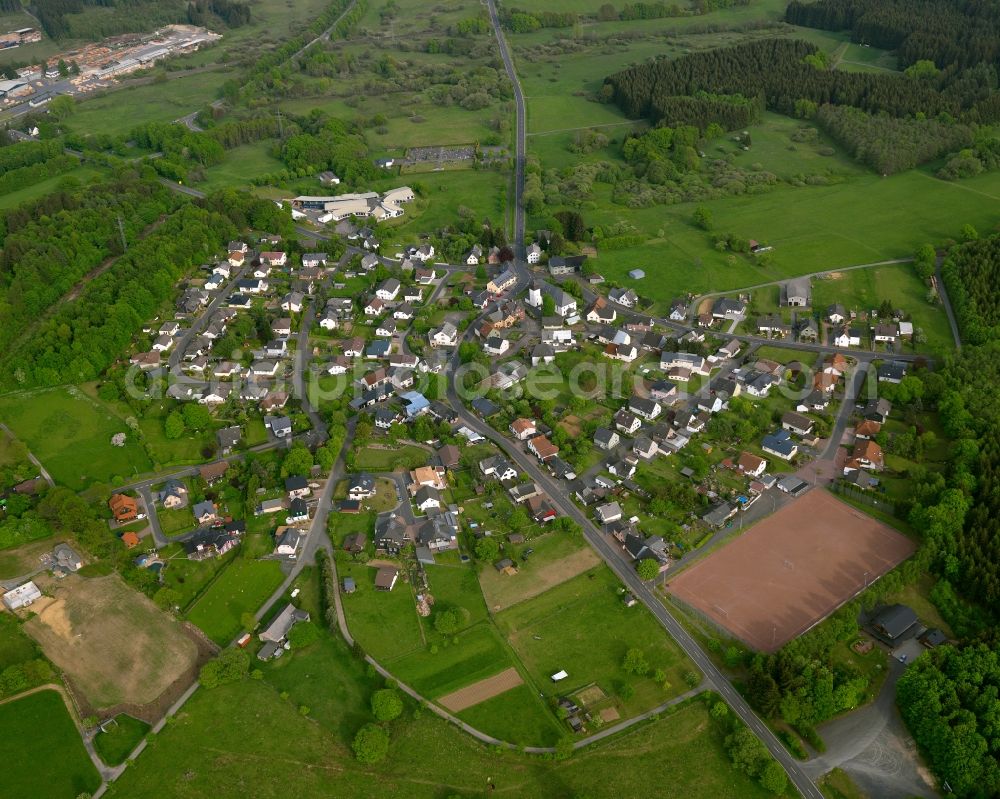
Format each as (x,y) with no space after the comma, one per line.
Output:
(506,566)
(385,579)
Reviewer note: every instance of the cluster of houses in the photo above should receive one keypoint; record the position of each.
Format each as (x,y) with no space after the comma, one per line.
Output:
(205,313)
(843,328)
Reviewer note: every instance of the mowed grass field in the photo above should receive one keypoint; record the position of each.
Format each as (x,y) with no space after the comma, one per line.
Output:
(385,623)
(484,192)
(71,435)
(557,557)
(122,736)
(425,753)
(241,165)
(583,626)
(43,752)
(385,460)
(864,220)
(242,587)
(114,643)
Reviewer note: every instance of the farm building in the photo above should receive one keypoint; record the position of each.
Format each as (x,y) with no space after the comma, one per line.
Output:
(22,596)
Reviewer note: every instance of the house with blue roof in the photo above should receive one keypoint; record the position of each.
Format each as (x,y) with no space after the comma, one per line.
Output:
(414,403)
(780,444)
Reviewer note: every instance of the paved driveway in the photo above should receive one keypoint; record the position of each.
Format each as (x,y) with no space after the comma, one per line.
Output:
(874,748)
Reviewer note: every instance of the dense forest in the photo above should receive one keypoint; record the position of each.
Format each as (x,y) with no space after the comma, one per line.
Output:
(46,256)
(949,700)
(887,144)
(960,33)
(702,109)
(204,12)
(971,274)
(787,72)
(96,19)
(82,337)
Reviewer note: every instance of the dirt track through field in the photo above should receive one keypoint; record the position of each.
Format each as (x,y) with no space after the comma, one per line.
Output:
(480,691)
(791,570)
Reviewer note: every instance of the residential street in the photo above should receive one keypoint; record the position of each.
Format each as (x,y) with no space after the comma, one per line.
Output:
(301,370)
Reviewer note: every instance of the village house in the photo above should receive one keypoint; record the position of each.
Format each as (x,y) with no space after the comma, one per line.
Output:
(297,486)
(648,409)
(797,423)
(280,426)
(444,336)
(606,439)
(751,465)
(847,337)
(867,454)
(374,307)
(288,541)
(600,312)
(780,444)
(773,326)
(867,429)
(361,486)
(388,290)
(606,514)
(627,298)
(627,422)
(796,293)
(125,508)
(292,302)
(523,429)
(173,494)
(21,596)
(385,578)
(505,280)
(542,353)
(886,333)
(474,255)
(729,308)
(211,473)
(565,304)
(431,476)
(427,498)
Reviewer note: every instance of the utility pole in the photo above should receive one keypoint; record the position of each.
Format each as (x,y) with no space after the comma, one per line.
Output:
(121,231)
